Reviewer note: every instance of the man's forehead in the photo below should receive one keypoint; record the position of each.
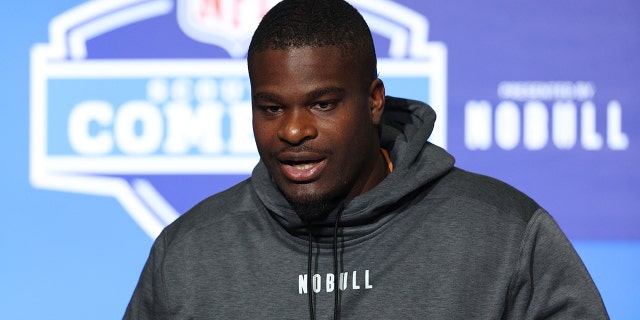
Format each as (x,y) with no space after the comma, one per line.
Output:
(322,58)
(338,51)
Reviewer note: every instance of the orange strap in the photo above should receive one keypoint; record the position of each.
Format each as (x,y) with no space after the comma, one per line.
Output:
(385,153)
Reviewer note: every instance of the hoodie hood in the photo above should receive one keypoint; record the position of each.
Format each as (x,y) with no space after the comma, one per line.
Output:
(405,127)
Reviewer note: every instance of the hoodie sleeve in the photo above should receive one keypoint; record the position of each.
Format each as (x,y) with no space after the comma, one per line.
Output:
(551,281)
(149,298)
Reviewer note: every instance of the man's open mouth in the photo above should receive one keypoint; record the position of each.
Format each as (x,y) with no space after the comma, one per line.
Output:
(302,170)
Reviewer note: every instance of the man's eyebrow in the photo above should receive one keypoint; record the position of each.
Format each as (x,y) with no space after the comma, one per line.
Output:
(265,96)
(318,93)
(313,95)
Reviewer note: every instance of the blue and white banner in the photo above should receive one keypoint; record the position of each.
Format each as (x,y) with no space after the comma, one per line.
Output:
(122,114)
(141,125)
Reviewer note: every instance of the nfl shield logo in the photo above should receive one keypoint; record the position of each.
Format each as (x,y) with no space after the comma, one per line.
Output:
(225,23)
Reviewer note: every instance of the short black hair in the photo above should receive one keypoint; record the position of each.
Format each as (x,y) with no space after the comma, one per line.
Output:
(316,23)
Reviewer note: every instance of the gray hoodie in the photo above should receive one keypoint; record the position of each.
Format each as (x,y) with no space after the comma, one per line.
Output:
(431,241)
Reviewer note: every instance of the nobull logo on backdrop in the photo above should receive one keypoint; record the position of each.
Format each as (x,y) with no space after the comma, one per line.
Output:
(541,114)
(148,101)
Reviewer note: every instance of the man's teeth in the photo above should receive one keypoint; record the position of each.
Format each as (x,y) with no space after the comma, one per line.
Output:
(303,166)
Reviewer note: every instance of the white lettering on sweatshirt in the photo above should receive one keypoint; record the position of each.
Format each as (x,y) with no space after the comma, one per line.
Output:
(357,283)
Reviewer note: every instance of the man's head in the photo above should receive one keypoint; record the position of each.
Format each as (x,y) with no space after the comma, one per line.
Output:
(316,23)
(317,103)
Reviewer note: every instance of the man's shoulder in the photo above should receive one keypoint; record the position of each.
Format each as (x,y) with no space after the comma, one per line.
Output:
(236,198)
(212,211)
(482,190)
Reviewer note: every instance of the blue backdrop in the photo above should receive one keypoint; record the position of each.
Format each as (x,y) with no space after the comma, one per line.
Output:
(97,96)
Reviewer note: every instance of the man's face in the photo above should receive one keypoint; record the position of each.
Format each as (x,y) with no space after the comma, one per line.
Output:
(314,119)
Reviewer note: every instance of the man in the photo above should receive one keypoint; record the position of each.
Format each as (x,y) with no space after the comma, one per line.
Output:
(351,212)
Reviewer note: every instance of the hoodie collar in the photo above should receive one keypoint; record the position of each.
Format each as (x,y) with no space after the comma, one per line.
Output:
(405,127)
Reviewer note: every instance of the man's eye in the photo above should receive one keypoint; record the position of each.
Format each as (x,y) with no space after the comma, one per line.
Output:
(271,109)
(323,106)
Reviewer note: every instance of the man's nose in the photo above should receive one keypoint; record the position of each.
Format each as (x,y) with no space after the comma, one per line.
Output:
(298,126)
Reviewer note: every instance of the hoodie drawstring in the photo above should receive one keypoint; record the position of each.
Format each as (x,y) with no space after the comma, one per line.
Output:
(336,290)
(336,303)
(312,313)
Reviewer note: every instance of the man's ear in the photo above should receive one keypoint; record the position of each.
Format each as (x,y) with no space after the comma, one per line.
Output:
(376,100)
